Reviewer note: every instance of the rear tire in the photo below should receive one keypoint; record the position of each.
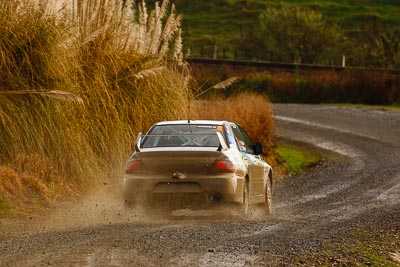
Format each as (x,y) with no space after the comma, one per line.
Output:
(268,197)
(246,198)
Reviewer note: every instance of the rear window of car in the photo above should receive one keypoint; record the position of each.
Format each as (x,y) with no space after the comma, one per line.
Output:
(181,135)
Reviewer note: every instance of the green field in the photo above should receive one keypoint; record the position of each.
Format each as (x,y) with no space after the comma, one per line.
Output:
(222,21)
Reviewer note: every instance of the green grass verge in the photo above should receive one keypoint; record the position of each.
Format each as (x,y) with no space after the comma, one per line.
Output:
(296,158)
(364,248)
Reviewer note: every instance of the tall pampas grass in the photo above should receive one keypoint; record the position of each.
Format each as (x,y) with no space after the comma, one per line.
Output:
(79,79)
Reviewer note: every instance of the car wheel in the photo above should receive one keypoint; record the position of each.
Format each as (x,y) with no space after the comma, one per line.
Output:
(268,196)
(246,198)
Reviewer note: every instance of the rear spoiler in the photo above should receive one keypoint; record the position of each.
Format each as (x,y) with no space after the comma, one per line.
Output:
(137,143)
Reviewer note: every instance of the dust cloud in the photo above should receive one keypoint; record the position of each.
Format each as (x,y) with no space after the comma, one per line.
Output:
(106,207)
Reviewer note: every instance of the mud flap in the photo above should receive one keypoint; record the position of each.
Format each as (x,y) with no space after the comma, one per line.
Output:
(256,184)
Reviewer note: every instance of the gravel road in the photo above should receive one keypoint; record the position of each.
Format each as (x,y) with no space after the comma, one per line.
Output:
(359,189)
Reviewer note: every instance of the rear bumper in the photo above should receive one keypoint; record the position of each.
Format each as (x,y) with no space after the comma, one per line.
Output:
(225,186)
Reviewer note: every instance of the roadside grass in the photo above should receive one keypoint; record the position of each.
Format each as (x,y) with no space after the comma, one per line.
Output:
(364,248)
(295,157)
(3,206)
(77,84)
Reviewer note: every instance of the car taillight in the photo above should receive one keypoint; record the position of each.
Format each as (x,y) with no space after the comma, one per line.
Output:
(224,165)
(132,166)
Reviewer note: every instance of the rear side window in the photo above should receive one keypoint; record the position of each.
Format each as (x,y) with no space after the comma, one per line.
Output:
(181,135)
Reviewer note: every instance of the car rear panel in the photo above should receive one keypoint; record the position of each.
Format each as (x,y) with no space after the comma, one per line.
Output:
(180,172)
(168,162)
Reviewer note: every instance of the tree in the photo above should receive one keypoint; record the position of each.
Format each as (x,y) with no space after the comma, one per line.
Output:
(378,46)
(297,34)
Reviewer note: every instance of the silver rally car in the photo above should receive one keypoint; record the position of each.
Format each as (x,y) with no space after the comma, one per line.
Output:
(214,159)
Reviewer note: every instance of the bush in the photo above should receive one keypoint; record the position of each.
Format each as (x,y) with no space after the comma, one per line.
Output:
(373,87)
(365,87)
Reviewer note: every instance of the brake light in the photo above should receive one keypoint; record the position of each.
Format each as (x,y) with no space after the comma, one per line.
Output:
(132,166)
(224,166)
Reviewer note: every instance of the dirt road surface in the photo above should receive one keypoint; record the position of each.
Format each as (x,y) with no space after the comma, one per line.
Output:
(359,189)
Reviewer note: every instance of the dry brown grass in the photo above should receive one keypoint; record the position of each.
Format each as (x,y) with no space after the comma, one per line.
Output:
(77,82)
(252,111)
(30,179)
(10,183)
